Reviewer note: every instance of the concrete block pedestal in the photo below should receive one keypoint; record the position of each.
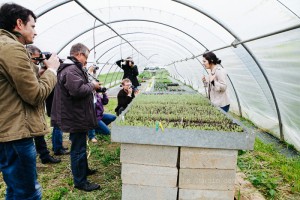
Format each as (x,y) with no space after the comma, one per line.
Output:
(178,164)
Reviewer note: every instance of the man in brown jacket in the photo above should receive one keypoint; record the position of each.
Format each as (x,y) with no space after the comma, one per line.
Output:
(22,96)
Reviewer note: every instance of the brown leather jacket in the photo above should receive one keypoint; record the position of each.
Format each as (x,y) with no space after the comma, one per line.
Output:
(22,93)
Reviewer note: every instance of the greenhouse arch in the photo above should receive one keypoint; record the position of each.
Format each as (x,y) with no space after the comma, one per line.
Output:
(264,73)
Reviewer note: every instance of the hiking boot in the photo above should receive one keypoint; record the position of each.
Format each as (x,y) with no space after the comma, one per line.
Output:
(88,187)
(61,152)
(91,172)
(50,159)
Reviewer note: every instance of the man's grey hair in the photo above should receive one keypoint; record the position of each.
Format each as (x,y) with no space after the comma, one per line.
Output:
(79,48)
(33,49)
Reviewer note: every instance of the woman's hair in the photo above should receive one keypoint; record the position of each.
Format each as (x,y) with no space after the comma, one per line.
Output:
(129,59)
(211,58)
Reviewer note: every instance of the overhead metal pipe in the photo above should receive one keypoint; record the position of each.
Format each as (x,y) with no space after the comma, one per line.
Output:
(128,20)
(88,11)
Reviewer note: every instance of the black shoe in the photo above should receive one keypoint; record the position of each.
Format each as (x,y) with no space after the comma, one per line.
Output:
(50,159)
(91,172)
(61,152)
(88,187)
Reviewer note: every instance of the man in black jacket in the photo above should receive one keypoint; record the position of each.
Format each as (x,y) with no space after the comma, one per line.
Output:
(125,96)
(130,71)
(73,111)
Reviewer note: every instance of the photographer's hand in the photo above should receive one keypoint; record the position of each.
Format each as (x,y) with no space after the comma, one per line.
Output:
(97,85)
(129,92)
(52,63)
(91,69)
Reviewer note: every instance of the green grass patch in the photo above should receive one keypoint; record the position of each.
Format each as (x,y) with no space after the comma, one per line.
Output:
(57,180)
(273,174)
(110,77)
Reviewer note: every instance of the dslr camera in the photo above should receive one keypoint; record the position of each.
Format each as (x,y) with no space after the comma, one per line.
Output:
(47,56)
(102,90)
(129,87)
(95,69)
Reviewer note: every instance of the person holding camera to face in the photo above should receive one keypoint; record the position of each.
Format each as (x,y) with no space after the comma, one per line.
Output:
(38,58)
(73,111)
(125,96)
(40,143)
(130,71)
(216,81)
(22,96)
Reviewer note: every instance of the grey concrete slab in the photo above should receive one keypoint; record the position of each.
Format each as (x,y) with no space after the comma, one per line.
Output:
(208,158)
(207,179)
(149,175)
(138,192)
(165,156)
(186,194)
(182,137)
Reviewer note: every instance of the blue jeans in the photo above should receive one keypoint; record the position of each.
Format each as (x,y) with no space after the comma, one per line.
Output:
(57,139)
(226,108)
(78,155)
(102,126)
(18,166)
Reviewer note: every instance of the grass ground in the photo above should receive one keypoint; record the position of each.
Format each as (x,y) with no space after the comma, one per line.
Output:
(56,179)
(275,175)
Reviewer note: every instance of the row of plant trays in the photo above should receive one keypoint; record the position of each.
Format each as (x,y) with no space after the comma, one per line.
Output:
(180,120)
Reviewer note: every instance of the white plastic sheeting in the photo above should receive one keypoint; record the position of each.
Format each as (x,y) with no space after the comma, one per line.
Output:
(263,73)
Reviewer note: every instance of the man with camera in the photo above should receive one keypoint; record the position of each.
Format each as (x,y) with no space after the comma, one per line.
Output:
(40,144)
(22,97)
(125,96)
(130,71)
(73,111)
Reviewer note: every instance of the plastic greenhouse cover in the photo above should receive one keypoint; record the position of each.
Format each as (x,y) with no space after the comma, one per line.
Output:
(263,73)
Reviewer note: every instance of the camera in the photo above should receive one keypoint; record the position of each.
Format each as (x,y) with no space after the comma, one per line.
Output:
(129,87)
(95,69)
(102,90)
(47,56)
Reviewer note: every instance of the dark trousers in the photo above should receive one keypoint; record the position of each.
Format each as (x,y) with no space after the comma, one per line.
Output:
(41,147)
(79,164)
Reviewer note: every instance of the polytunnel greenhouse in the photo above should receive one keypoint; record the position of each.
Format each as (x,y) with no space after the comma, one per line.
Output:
(258,42)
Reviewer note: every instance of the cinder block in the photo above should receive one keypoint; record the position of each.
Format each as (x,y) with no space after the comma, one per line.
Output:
(207,158)
(185,194)
(207,179)
(138,192)
(149,155)
(149,175)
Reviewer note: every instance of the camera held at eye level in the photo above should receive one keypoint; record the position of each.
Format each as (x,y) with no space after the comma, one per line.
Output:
(102,90)
(95,69)
(47,55)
